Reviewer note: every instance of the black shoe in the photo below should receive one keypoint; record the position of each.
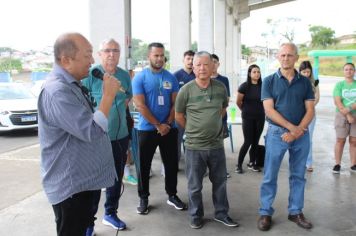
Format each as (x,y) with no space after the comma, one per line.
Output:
(228,175)
(256,169)
(264,223)
(196,223)
(353,168)
(249,165)
(239,170)
(227,221)
(176,202)
(142,208)
(300,220)
(336,169)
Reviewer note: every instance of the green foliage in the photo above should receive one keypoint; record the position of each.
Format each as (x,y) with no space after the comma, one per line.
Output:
(322,36)
(9,64)
(139,50)
(245,50)
(5,49)
(194,46)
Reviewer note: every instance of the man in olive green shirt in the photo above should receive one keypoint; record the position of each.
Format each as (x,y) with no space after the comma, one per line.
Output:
(200,106)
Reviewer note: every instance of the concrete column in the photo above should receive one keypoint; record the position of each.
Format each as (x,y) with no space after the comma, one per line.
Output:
(236,53)
(229,47)
(206,26)
(111,20)
(180,31)
(220,34)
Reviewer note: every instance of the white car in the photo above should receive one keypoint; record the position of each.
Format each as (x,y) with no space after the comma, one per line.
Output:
(18,107)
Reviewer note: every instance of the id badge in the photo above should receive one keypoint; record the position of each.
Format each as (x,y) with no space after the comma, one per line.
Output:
(160,100)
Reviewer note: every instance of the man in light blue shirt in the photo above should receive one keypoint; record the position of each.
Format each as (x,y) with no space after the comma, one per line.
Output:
(109,53)
(155,90)
(76,156)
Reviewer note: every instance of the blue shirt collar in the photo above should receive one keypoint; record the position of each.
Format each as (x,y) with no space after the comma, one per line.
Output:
(62,73)
(279,74)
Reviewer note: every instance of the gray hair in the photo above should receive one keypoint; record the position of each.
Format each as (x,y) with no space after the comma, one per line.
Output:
(107,41)
(291,45)
(202,54)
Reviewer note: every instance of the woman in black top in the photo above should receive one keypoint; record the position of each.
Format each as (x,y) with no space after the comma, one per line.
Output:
(253,116)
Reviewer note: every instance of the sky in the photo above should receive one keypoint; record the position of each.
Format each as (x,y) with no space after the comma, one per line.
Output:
(35,24)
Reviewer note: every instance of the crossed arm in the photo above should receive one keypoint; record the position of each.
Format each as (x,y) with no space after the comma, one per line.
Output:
(295,132)
(162,128)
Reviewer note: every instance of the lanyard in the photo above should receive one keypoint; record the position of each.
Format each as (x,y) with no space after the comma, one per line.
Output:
(86,95)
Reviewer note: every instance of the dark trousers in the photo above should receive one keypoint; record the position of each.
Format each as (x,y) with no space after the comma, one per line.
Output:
(252,130)
(148,142)
(196,163)
(73,214)
(119,149)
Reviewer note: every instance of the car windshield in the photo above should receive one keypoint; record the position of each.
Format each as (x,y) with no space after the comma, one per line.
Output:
(11,91)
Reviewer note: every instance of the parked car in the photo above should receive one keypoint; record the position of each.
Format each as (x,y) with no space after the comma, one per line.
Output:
(18,107)
(36,87)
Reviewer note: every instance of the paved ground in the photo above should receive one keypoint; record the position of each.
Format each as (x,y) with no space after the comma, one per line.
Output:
(329,199)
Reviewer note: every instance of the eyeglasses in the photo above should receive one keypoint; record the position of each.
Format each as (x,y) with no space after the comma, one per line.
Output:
(113,50)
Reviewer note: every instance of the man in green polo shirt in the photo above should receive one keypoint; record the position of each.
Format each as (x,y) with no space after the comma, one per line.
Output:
(200,106)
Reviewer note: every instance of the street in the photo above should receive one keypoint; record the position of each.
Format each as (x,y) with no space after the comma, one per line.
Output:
(17,139)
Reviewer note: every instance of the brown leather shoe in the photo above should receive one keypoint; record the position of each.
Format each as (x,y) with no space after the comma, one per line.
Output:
(264,223)
(300,220)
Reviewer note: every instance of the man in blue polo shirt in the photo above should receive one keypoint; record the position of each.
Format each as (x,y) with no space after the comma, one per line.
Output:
(155,90)
(288,100)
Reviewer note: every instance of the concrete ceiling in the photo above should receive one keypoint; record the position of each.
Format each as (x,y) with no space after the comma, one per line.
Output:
(241,8)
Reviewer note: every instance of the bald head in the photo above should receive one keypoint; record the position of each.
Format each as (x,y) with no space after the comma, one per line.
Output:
(73,52)
(67,45)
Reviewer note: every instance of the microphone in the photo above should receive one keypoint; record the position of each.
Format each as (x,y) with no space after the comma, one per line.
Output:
(100,75)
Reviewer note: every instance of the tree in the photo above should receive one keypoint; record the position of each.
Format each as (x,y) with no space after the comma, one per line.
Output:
(245,50)
(139,50)
(283,28)
(9,64)
(194,46)
(322,36)
(5,49)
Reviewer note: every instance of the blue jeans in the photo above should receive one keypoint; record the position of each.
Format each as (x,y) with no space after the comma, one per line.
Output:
(275,150)
(196,163)
(311,131)
(113,193)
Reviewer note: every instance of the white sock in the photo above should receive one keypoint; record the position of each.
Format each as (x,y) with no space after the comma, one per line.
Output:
(127,170)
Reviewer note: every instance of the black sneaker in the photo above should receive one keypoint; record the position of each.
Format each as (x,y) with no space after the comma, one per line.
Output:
(250,166)
(336,169)
(176,202)
(256,169)
(196,223)
(353,168)
(142,208)
(227,221)
(239,170)
(228,175)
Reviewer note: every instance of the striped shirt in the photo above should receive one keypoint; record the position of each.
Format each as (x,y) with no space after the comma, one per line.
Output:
(76,152)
